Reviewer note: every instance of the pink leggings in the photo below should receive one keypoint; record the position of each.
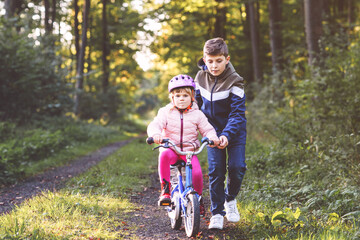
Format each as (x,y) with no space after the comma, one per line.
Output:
(169,157)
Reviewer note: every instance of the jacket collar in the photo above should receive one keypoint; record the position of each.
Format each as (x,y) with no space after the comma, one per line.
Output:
(227,72)
(194,106)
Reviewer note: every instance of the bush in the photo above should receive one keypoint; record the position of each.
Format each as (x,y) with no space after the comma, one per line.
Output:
(316,121)
(30,82)
(37,142)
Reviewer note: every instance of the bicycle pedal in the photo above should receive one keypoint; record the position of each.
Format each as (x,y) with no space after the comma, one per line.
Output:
(165,204)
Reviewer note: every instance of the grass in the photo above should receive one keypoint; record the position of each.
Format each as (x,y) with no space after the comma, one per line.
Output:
(65,215)
(289,200)
(278,200)
(94,205)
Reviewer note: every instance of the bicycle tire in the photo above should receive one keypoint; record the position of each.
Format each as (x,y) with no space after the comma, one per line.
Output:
(174,214)
(192,217)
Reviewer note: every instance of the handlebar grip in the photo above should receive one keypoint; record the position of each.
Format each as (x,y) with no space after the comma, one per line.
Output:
(150,140)
(204,139)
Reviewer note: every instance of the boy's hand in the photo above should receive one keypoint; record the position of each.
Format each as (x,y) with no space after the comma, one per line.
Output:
(157,139)
(223,142)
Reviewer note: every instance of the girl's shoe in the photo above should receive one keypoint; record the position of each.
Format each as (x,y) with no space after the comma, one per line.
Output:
(165,198)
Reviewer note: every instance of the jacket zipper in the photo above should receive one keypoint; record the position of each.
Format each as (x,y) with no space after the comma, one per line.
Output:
(181,130)
(211,98)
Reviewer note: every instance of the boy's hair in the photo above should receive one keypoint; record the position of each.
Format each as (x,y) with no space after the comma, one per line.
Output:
(188,90)
(215,47)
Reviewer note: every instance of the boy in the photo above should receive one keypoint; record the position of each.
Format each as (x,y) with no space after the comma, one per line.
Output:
(220,95)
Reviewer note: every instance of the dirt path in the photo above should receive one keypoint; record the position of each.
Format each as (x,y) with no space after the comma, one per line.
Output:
(151,221)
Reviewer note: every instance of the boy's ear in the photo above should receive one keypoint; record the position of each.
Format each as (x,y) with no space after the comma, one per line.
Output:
(227,59)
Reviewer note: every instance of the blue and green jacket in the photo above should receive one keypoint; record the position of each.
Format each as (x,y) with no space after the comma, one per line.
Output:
(222,100)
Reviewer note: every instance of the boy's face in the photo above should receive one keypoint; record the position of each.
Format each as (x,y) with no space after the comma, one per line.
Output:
(216,64)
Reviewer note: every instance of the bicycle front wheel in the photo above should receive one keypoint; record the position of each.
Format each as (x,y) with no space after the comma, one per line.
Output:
(192,217)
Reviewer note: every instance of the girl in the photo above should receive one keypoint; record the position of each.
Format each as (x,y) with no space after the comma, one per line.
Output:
(180,121)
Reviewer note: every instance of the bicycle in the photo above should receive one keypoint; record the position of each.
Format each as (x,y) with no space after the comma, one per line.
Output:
(184,199)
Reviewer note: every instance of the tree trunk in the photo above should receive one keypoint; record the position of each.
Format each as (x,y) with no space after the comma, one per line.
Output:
(13,8)
(9,8)
(105,48)
(254,37)
(313,27)
(220,21)
(47,17)
(90,40)
(76,30)
(351,14)
(80,66)
(275,34)
(53,14)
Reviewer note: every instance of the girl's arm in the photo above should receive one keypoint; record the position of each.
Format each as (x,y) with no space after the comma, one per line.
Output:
(156,127)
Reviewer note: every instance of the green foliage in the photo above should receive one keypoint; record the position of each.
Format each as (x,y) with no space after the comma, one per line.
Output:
(35,145)
(31,147)
(287,194)
(304,151)
(30,81)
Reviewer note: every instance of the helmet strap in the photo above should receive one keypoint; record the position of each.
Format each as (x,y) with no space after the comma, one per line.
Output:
(186,109)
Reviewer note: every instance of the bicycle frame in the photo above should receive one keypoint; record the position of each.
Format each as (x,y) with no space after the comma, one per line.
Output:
(188,188)
(184,198)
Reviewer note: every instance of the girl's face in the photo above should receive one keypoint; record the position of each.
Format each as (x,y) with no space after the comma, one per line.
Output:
(181,99)
(216,64)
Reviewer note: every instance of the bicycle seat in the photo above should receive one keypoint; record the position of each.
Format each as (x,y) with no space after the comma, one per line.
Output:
(179,163)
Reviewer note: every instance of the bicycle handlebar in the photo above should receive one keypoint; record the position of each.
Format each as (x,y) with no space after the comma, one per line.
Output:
(168,143)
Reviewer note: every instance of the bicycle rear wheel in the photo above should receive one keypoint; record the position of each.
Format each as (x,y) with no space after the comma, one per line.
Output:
(192,218)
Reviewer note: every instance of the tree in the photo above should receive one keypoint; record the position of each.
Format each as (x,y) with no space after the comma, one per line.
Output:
(220,21)
(313,27)
(80,65)
(275,18)
(254,38)
(76,30)
(105,48)
(351,13)
(11,6)
(47,17)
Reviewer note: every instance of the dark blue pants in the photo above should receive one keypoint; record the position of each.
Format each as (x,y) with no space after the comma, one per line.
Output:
(231,160)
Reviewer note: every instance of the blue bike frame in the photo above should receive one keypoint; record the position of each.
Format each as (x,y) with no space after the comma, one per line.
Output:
(188,188)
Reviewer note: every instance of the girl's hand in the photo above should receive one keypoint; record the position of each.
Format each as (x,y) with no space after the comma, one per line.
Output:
(216,142)
(223,142)
(157,139)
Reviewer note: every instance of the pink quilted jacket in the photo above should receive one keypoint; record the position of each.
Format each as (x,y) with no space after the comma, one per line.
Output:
(169,124)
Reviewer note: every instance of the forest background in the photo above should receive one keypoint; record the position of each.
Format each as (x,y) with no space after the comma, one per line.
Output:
(67,63)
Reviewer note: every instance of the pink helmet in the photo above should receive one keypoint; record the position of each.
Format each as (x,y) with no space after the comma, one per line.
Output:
(181,80)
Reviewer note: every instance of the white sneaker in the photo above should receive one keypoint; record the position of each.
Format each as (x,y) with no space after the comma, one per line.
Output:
(216,222)
(232,213)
